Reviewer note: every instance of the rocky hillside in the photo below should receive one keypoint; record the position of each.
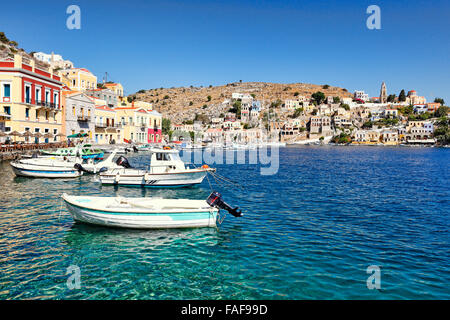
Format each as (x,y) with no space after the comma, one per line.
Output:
(183,103)
(10,47)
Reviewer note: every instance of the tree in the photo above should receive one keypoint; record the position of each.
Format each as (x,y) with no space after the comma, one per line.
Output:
(166,97)
(191,103)
(296,93)
(402,96)
(442,111)
(253,95)
(141,91)
(325,86)
(298,112)
(336,100)
(166,123)
(3,38)
(391,98)
(345,106)
(318,97)
(439,100)
(209,98)
(204,106)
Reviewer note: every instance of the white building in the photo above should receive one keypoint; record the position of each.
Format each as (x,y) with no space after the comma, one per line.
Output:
(54,60)
(237,95)
(360,94)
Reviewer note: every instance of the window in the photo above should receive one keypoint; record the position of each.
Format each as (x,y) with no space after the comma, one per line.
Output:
(38,95)
(7,110)
(7,90)
(46,115)
(27,94)
(55,99)
(27,112)
(47,96)
(37,114)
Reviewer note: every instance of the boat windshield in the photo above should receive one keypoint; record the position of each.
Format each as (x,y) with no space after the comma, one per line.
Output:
(162,157)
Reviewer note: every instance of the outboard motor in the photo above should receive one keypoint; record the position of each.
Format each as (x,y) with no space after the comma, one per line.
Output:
(34,155)
(102,169)
(122,161)
(215,200)
(135,149)
(79,167)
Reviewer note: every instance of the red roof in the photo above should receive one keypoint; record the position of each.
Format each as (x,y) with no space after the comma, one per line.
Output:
(106,108)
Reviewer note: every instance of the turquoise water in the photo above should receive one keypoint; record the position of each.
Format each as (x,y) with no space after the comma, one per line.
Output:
(309,232)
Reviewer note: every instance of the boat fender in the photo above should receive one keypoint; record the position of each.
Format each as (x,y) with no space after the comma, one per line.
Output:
(147,176)
(103,169)
(117,178)
(215,200)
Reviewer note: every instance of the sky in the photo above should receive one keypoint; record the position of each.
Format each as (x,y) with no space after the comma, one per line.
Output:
(153,44)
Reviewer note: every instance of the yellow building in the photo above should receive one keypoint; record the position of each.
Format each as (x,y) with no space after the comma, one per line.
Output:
(30,99)
(140,125)
(78,79)
(107,128)
(115,87)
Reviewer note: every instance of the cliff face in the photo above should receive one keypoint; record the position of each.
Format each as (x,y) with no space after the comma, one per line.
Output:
(184,102)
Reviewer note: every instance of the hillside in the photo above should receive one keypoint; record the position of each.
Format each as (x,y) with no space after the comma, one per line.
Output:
(183,103)
(10,47)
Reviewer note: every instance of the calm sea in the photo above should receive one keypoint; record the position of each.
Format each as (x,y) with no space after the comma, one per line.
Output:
(309,232)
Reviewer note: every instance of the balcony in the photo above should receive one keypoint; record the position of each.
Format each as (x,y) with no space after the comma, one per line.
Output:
(44,104)
(83,118)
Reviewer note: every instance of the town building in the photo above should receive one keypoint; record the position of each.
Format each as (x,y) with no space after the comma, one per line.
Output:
(361,95)
(55,61)
(30,99)
(413,98)
(107,128)
(140,125)
(79,114)
(107,95)
(115,87)
(79,79)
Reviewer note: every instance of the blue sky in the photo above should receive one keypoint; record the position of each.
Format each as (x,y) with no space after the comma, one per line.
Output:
(152,44)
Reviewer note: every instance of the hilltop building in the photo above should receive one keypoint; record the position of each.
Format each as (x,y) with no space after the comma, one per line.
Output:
(55,61)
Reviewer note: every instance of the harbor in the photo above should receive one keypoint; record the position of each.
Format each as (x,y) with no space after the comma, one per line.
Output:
(314,240)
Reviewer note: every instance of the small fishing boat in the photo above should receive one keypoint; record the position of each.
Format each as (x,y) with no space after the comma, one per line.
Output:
(166,170)
(147,213)
(86,151)
(49,169)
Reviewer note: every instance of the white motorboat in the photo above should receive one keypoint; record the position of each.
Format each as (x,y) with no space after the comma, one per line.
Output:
(45,168)
(147,213)
(166,170)
(90,166)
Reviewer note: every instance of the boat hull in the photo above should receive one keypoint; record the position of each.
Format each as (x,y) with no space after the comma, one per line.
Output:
(156,180)
(143,220)
(33,171)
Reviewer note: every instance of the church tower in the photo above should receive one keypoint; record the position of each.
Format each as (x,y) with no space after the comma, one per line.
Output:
(383,94)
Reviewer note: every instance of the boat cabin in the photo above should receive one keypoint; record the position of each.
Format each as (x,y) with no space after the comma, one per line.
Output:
(163,161)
